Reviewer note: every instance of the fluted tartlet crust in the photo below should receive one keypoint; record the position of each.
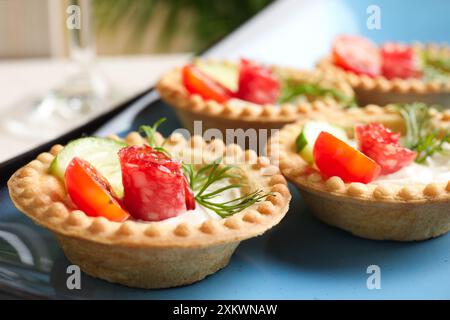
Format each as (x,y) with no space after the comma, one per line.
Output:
(375,211)
(241,114)
(381,91)
(42,197)
(152,255)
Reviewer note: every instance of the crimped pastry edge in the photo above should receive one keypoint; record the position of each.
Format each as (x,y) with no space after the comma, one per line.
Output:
(293,167)
(384,85)
(173,92)
(42,197)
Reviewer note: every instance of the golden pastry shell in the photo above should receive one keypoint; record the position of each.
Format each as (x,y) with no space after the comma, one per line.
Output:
(380,90)
(374,211)
(233,114)
(42,197)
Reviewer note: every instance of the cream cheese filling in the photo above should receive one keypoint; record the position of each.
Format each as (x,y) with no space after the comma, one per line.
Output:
(435,169)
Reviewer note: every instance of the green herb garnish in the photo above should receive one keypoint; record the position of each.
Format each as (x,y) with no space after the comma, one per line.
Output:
(203,179)
(293,89)
(435,67)
(421,136)
(212,173)
(150,132)
(440,64)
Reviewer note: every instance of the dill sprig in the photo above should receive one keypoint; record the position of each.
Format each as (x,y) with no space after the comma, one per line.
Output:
(420,134)
(203,179)
(292,89)
(441,64)
(150,133)
(435,67)
(213,173)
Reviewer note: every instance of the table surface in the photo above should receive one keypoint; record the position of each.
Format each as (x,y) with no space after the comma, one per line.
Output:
(24,81)
(301,258)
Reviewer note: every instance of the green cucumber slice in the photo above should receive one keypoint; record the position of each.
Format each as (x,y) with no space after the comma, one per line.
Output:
(311,130)
(225,74)
(102,153)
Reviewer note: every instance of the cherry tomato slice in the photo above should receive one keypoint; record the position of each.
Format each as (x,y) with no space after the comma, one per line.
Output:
(257,84)
(197,82)
(382,145)
(356,54)
(334,157)
(399,61)
(91,192)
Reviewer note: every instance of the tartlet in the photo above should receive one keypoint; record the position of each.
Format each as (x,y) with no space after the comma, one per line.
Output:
(382,90)
(155,254)
(237,113)
(379,211)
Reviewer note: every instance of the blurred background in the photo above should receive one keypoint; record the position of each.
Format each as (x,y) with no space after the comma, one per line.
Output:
(122,26)
(54,78)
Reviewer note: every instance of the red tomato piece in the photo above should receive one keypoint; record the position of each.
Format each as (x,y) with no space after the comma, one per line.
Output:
(189,196)
(356,54)
(382,145)
(257,84)
(154,185)
(197,82)
(334,157)
(91,192)
(399,61)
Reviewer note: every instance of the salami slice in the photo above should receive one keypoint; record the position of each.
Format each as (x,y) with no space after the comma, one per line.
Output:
(257,84)
(357,54)
(154,185)
(383,146)
(399,61)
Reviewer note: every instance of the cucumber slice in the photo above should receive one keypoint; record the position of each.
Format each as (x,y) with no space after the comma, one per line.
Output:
(102,153)
(311,130)
(225,74)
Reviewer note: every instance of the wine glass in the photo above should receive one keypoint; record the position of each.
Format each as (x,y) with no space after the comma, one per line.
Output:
(84,93)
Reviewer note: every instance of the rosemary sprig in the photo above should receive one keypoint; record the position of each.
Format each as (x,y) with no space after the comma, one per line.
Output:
(420,134)
(203,179)
(291,90)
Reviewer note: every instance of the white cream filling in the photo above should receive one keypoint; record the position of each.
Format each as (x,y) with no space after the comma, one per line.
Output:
(239,103)
(435,169)
(194,217)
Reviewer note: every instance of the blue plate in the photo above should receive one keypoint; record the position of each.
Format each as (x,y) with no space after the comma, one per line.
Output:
(301,258)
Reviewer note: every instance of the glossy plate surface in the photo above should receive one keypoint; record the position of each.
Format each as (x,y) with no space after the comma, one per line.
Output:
(299,259)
